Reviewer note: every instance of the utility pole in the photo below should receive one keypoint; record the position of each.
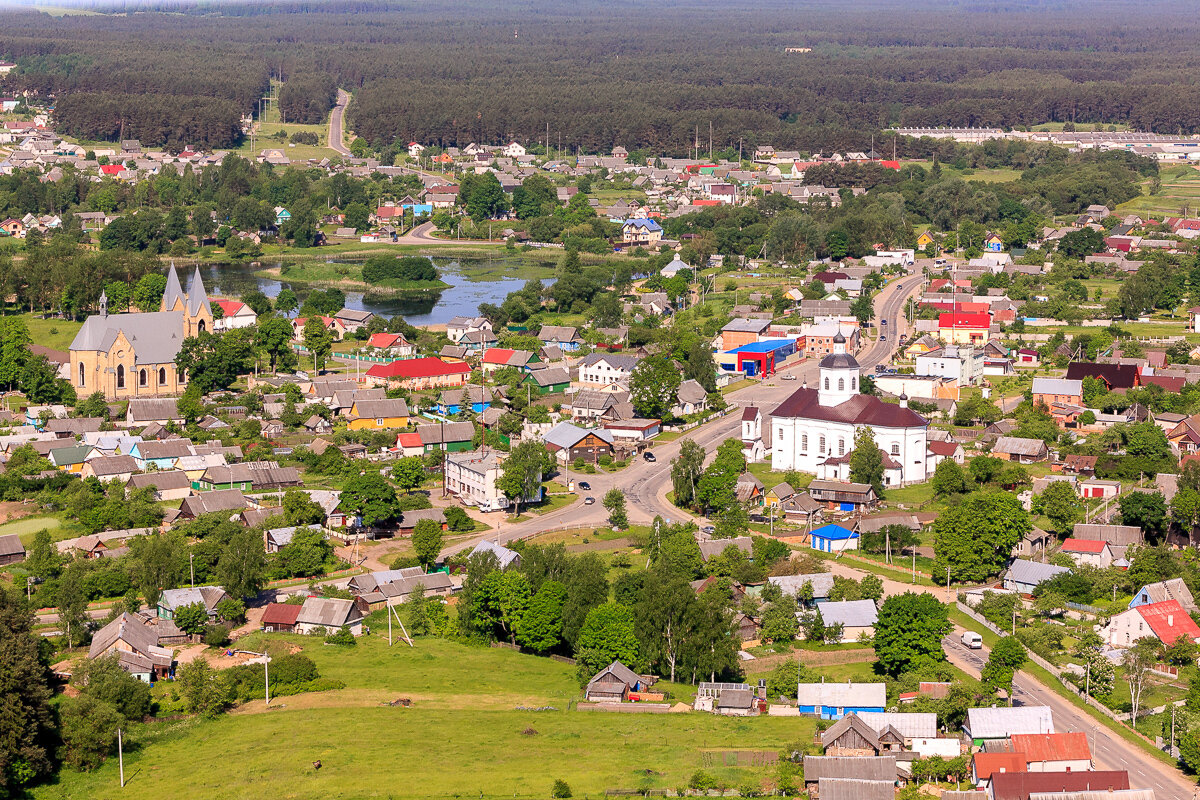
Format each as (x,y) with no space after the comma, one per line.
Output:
(267,676)
(947,584)
(121,754)
(914,571)
(192,568)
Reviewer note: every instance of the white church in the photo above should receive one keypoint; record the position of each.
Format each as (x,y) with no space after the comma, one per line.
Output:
(813,430)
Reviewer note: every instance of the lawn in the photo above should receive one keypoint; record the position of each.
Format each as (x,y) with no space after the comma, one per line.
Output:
(57,334)
(1180,189)
(28,527)
(461,738)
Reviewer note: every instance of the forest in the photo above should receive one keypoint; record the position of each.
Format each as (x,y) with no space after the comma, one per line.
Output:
(598,76)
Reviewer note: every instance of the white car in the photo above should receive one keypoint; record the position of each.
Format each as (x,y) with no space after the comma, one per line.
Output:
(788,377)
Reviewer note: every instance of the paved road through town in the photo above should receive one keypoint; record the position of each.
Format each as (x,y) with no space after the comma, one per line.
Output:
(646,484)
(336,123)
(1109,751)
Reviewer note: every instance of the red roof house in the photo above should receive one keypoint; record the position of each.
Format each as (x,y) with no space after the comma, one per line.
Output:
(1166,621)
(1019,785)
(280,617)
(984,765)
(112,169)
(1068,752)
(419,373)
(964,327)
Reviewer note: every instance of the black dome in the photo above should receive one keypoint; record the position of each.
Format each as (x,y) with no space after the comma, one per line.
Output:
(838,338)
(839,361)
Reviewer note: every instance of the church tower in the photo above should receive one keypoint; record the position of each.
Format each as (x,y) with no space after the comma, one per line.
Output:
(173,296)
(197,316)
(838,380)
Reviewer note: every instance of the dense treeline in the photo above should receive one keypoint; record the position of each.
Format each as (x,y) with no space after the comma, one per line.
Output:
(173,121)
(599,77)
(307,100)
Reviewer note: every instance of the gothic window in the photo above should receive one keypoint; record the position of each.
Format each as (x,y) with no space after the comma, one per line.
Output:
(142,378)
(200,328)
(81,381)
(120,376)
(162,376)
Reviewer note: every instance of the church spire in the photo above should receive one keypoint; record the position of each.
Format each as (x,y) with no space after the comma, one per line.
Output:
(174,292)
(103,303)
(197,297)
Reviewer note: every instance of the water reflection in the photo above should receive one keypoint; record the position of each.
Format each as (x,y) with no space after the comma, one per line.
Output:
(423,308)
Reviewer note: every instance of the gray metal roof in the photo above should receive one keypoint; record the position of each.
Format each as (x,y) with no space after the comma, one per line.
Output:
(842,695)
(155,336)
(911,725)
(850,613)
(565,435)
(855,789)
(1031,573)
(502,553)
(1015,445)
(330,612)
(872,768)
(822,583)
(1002,722)
(1057,386)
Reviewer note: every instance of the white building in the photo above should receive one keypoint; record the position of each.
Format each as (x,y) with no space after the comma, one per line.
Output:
(458,327)
(236,315)
(471,477)
(605,369)
(816,425)
(962,364)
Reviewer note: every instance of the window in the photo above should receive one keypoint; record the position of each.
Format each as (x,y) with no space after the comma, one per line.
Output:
(841,384)
(379,422)
(200,327)
(826,383)
(822,450)
(804,443)
(779,432)
(142,378)
(162,376)
(81,381)
(841,447)
(120,376)
(895,449)
(854,382)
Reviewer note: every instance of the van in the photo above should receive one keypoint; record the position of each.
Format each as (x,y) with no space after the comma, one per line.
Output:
(972,640)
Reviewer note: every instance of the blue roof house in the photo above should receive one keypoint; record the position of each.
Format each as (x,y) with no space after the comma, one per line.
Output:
(836,700)
(833,538)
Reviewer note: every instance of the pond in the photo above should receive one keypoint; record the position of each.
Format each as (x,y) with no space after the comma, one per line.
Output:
(480,282)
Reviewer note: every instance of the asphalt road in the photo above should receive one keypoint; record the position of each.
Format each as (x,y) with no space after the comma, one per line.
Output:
(1109,751)
(336,120)
(646,484)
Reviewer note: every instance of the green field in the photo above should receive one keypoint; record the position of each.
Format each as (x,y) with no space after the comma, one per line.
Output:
(1180,191)
(28,527)
(462,737)
(997,175)
(57,334)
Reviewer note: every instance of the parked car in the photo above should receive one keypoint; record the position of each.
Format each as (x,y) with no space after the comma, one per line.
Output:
(649,456)
(708,529)
(585,486)
(789,377)
(589,500)
(883,322)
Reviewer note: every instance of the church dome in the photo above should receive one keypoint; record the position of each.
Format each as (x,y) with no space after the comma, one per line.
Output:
(838,338)
(839,361)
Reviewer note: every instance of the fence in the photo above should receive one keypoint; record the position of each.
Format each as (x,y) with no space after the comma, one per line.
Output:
(1057,672)
(1089,609)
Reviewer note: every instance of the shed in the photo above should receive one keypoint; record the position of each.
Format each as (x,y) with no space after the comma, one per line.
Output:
(11,549)
(833,538)
(280,617)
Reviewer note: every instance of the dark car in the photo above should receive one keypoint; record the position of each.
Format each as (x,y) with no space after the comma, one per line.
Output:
(883,322)
(585,486)
(649,456)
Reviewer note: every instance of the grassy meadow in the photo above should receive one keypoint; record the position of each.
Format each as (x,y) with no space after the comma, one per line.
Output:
(462,737)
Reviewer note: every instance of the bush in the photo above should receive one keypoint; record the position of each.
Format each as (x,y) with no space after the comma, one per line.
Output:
(561,789)
(406,268)
(343,638)
(216,635)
